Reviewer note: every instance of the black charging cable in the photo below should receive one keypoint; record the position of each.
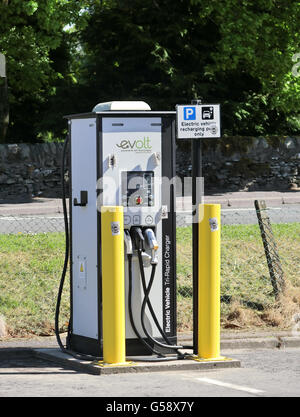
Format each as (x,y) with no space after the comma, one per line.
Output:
(149,305)
(65,267)
(130,287)
(147,290)
(63,275)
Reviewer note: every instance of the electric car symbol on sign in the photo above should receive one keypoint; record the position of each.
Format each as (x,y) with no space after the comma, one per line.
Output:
(206,114)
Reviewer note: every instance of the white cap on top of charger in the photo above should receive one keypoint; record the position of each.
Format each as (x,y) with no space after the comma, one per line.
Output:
(121,106)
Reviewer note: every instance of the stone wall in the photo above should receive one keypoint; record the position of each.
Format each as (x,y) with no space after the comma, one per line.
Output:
(28,170)
(229,164)
(248,164)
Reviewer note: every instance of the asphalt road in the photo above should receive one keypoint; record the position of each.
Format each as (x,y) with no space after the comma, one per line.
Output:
(283,214)
(264,373)
(238,215)
(45,215)
(31,224)
(243,215)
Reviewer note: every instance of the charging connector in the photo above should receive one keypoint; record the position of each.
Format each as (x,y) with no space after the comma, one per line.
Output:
(153,245)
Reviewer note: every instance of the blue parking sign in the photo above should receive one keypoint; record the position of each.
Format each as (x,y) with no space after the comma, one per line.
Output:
(189,113)
(198,121)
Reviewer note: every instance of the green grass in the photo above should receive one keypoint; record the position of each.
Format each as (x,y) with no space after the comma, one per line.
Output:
(244,272)
(30,269)
(31,265)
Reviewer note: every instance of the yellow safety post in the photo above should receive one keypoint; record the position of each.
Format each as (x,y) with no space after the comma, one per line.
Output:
(209,282)
(113,285)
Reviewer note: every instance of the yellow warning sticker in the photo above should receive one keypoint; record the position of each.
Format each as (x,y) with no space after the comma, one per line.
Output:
(82,272)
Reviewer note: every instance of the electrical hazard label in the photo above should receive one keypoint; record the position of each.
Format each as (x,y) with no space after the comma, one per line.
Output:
(82,276)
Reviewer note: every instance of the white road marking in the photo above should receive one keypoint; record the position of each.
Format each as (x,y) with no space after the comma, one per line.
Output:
(250,209)
(19,218)
(228,385)
(187,211)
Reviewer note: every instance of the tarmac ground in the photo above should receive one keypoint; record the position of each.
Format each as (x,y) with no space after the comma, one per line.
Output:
(43,215)
(264,364)
(239,199)
(47,348)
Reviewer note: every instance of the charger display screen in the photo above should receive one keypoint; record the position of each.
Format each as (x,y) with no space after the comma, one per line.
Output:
(138,188)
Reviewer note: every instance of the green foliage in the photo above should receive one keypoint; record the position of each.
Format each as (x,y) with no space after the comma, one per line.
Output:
(169,52)
(31,32)
(64,56)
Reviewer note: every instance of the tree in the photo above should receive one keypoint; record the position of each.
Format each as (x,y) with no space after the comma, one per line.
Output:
(29,32)
(237,52)
(258,38)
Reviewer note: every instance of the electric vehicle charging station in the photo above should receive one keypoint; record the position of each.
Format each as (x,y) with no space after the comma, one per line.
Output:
(119,154)
(121,242)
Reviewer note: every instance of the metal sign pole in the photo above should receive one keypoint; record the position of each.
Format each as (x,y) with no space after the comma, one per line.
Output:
(2,66)
(196,200)
(197,121)
(4,114)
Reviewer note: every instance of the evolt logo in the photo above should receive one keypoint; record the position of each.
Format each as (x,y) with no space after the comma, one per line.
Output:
(135,145)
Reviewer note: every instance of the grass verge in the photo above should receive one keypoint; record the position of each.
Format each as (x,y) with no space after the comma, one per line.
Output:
(31,265)
(30,269)
(247,298)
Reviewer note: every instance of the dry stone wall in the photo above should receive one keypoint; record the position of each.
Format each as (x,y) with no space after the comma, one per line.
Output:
(248,164)
(28,170)
(229,164)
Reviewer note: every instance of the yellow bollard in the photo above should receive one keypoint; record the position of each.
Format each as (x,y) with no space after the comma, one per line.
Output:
(113,285)
(209,282)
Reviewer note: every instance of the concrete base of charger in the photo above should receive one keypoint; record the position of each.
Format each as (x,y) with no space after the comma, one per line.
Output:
(57,356)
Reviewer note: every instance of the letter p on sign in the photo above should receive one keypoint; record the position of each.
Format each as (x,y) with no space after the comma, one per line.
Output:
(189,113)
